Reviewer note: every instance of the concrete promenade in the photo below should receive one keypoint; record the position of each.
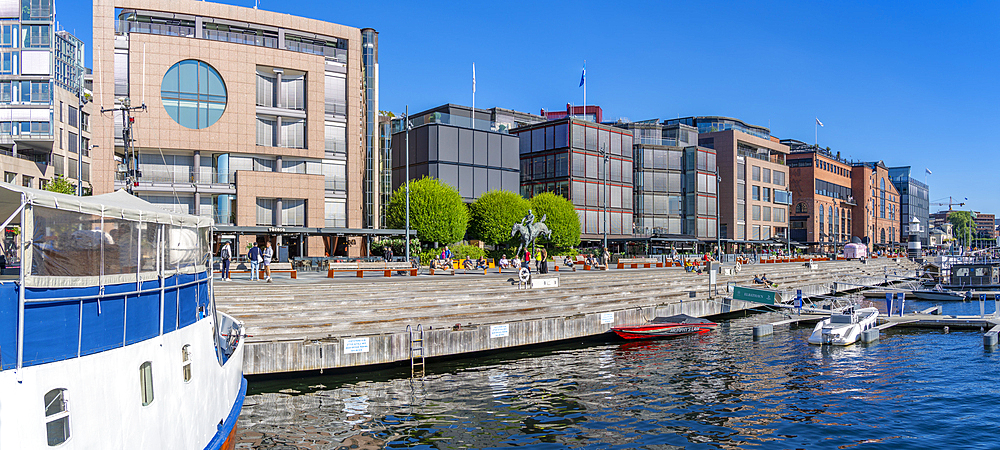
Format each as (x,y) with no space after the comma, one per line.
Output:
(315,322)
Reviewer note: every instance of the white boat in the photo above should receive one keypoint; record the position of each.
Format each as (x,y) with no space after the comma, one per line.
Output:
(844,328)
(109,337)
(939,293)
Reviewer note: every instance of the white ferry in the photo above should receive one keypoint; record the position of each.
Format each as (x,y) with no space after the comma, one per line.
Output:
(109,337)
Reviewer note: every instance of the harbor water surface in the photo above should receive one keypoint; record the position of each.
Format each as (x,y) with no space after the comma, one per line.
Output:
(912,389)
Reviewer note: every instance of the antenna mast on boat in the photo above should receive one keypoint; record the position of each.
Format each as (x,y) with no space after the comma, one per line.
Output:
(131,160)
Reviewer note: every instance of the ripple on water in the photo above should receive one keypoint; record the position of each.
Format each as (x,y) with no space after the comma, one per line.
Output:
(912,389)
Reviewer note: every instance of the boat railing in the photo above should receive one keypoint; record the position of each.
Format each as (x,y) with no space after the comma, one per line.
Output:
(229,334)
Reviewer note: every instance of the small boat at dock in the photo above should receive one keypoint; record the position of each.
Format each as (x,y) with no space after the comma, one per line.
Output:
(844,328)
(939,293)
(665,327)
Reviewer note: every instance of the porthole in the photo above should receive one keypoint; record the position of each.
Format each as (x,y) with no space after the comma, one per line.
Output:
(186,362)
(146,382)
(56,417)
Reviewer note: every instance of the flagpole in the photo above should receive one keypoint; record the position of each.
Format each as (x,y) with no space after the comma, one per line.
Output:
(585,89)
(816,141)
(473,95)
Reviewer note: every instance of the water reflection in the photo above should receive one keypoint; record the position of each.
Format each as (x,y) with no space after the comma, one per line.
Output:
(718,390)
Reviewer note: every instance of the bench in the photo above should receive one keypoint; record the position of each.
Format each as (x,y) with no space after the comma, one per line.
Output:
(359,268)
(636,263)
(261,275)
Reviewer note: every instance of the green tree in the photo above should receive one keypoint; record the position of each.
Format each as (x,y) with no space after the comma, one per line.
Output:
(561,218)
(437,212)
(963,228)
(494,214)
(61,185)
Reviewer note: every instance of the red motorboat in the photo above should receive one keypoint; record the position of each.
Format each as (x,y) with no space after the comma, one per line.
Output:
(665,327)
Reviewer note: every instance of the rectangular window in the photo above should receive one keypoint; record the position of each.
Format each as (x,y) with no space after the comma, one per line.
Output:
(293,94)
(146,382)
(265,131)
(741,171)
(336,213)
(74,141)
(293,212)
(335,98)
(767,195)
(755,173)
(37,36)
(755,212)
(71,117)
(265,212)
(779,178)
(766,214)
(755,192)
(265,90)
(335,138)
(293,133)
(766,175)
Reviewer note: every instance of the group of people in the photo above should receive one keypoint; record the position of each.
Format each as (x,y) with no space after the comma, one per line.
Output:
(762,279)
(257,257)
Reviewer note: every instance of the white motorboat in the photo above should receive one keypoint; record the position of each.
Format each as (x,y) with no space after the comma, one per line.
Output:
(939,293)
(109,337)
(844,328)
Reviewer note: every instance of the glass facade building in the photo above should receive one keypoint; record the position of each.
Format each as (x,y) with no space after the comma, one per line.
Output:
(914,201)
(570,157)
(45,109)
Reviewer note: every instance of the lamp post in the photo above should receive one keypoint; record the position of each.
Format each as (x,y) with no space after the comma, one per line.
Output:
(718,212)
(406,123)
(79,129)
(604,224)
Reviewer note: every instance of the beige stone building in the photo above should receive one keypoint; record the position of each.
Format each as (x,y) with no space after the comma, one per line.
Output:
(257,118)
(754,195)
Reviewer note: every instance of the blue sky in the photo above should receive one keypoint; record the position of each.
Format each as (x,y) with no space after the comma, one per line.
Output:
(909,83)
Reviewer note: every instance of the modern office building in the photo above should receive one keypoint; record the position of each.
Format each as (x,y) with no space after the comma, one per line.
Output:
(876,216)
(914,201)
(675,195)
(570,157)
(824,203)
(45,111)
(462,147)
(590,113)
(985,228)
(753,192)
(266,121)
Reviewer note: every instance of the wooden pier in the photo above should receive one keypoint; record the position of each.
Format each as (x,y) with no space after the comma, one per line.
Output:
(315,323)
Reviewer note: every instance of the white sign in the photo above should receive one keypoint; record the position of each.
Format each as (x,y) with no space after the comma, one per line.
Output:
(356,345)
(608,317)
(499,331)
(544,282)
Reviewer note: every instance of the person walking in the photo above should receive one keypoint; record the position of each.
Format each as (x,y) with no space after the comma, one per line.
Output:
(267,254)
(254,256)
(226,255)
(388,254)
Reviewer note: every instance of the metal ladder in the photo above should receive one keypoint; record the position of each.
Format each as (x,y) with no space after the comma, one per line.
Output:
(416,351)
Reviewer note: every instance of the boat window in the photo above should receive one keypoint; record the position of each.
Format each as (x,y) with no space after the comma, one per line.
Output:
(56,417)
(146,382)
(840,318)
(186,361)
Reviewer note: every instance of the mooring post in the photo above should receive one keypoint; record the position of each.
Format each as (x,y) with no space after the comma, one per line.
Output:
(760,331)
(982,305)
(902,303)
(888,303)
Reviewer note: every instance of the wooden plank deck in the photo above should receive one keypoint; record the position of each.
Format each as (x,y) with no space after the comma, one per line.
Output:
(301,324)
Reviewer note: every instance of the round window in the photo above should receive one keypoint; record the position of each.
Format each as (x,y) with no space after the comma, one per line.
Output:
(193,94)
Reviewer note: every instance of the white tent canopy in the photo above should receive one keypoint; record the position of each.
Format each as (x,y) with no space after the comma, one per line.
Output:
(118,204)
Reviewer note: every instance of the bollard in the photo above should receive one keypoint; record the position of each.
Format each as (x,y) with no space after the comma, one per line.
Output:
(871,335)
(982,305)
(760,331)
(990,340)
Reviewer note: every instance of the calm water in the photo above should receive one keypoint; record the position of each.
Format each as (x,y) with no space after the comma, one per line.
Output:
(912,389)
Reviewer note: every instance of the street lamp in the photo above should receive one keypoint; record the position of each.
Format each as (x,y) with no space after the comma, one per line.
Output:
(718,212)
(604,154)
(406,123)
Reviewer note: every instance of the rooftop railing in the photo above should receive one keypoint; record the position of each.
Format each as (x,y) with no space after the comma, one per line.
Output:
(450,119)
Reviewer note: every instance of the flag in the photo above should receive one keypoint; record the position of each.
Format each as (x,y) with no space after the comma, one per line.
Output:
(818,122)
(928,171)
(583,76)
(473,77)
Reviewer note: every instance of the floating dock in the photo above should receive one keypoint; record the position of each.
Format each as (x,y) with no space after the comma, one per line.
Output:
(314,323)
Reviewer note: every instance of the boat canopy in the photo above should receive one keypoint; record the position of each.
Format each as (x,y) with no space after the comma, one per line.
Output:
(70,241)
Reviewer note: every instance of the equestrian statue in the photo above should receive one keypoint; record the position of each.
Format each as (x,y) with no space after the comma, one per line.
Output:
(529,230)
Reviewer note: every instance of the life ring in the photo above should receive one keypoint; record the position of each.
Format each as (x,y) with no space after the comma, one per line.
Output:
(739,267)
(524,274)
